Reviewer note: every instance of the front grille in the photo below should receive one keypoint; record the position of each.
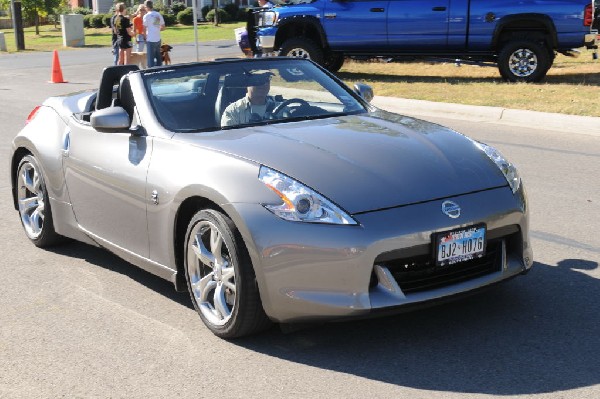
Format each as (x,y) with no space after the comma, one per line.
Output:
(420,273)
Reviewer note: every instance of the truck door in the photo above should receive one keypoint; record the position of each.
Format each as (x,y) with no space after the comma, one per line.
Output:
(418,25)
(356,24)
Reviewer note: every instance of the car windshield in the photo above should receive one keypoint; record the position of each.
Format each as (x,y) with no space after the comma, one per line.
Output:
(232,94)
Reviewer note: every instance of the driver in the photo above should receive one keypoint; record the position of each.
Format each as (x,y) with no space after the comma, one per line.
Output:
(255,106)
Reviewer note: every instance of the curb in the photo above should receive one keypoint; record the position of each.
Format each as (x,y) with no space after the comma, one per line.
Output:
(586,125)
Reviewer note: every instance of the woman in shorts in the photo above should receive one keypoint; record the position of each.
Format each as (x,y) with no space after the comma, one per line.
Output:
(124,31)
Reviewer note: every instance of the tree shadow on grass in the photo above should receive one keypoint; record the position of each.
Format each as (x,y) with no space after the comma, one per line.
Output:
(585,79)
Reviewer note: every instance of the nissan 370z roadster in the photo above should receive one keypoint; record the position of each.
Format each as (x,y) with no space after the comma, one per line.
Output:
(270,191)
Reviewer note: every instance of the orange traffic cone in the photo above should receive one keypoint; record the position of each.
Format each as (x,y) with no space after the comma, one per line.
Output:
(56,71)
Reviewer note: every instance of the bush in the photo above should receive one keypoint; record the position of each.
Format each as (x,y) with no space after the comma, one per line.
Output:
(86,20)
(231,9)
(223,16)
(97,21)
(186,17)
(170,19)
(177,7)
(106,20)
(242,14)
(204,10)
(81,10)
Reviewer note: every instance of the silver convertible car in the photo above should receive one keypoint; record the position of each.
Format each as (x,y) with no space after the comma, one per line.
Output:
(270,191)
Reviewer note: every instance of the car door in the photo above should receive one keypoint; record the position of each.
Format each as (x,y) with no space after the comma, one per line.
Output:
(357,25)
(418,25)
(106,179)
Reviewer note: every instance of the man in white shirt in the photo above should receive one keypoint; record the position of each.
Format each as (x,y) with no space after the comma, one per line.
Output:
(153,24)
(254,107)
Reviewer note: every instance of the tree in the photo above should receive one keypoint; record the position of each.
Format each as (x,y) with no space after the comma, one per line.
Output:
(34,9)
(215,4)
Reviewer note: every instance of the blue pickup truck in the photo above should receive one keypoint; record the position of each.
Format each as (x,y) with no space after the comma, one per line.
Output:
(521,36)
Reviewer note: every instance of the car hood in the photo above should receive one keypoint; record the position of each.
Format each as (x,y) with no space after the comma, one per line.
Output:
(365,162)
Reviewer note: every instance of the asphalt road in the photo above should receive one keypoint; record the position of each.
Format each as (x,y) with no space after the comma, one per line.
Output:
(79,322)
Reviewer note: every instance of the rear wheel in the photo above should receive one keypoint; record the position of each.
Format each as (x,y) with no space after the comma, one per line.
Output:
(333,61)
(299,47)
(34,205)
(524,61)
(220,277)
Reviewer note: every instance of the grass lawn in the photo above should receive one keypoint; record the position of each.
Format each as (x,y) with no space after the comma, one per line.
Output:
(571,87)
(50,38)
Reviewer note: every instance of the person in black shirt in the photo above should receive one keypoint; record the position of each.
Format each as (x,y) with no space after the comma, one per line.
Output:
(124,30)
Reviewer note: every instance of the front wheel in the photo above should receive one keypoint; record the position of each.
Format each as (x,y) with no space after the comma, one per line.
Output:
(220,277)
(524,61)
(302,48)
(34,204)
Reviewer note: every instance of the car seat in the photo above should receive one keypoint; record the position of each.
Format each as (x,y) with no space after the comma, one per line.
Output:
(233,88)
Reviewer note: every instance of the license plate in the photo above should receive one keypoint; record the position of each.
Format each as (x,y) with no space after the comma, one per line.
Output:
(460,245)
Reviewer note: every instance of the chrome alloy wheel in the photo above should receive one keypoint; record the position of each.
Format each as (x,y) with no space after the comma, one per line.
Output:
(298,52)
(30,196)
(210,272)
(523,62)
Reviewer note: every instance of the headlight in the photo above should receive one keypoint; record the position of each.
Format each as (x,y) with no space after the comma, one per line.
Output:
(508,169)
(267,18)
(298,202)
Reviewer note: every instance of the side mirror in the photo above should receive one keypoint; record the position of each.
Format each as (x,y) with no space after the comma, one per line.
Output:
(111,119)
(364,90)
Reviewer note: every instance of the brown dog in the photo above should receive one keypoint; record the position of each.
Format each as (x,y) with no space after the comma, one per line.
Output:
(139,59)
(164,53)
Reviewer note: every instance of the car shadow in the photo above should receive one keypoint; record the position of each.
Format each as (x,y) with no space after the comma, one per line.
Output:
(107,260)
(535,334)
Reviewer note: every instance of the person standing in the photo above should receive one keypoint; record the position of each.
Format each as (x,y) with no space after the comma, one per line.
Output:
(124,30)
(153,25)
(138,27)
(115,48)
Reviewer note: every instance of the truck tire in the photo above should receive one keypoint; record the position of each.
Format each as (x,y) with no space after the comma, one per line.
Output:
(523,61)
(300,47)
(333,61)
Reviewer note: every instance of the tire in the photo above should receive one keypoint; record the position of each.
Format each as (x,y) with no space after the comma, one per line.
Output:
(34,205)
(524,61)
(299,47)
(333,61)
(220,277)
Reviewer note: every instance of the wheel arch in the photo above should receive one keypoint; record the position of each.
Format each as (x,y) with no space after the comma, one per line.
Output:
(17,156)
(301,26)
(187,209)
(540,26)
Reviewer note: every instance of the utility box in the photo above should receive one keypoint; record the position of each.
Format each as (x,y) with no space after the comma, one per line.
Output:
(72,30)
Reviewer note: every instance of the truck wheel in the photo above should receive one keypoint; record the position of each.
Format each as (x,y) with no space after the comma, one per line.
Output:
(333,61)
(523,61)
(302,48)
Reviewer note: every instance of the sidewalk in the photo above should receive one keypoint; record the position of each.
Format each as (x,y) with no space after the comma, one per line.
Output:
(559,122)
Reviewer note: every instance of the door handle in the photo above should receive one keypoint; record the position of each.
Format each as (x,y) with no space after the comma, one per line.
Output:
(438,9)
(377,9)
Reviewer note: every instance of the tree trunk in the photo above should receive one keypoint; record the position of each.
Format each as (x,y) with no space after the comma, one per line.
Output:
(216,8)
(36,20)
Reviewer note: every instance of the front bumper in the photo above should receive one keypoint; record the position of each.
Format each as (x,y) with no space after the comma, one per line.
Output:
(310,271)
(265,39)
